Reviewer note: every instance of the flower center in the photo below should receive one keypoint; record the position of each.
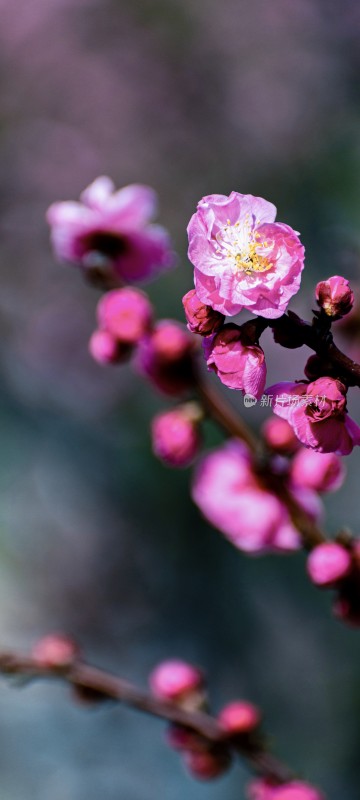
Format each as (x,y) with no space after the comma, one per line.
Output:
(242,246)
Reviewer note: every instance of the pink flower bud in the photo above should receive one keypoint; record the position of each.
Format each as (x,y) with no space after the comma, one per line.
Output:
(206,765)
(55,651)
(166,357)
(105,349)
(126,314)
(175,436)
(175,680)
(239,717)
(296,790)
(328,563)
(201,319)
(262,789)
(279,435)
(323,472)
(239,365)
(335,296)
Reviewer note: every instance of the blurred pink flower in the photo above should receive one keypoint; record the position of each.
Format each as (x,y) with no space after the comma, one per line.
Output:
(323,472)
(111,230)
(105,349)
(242,257)
(174,679)
(175,436)
(239,717)
(125,313)
(328,563)
(229,495)
(237,364)
(317,413)
(165,356)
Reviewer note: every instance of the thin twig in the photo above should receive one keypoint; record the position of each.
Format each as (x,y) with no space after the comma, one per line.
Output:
(104,685)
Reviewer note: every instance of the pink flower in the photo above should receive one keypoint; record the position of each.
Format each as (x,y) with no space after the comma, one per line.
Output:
(335,296)
(239,717)
(317,413)
(323,472)
(279,436)
(242,257)
(237,364)
(105,349)
(111,230)
(262,789)
(125,313)
(328,563)
(166,357)
(229,495)
(175,436)
(200,318)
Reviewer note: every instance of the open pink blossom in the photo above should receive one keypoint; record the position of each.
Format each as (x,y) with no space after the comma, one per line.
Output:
(242,257)
(229,495)
(239,365)
(111,230)
(317,413)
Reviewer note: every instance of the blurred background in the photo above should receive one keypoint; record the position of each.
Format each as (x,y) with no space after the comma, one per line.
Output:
(97,538)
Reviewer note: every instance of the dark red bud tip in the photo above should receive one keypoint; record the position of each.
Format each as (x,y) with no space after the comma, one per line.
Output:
(205,766)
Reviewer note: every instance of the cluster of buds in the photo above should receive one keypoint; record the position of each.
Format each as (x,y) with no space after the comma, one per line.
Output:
(184,685)
(333,565)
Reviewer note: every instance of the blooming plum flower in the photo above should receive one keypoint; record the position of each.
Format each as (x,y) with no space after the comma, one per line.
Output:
(175,435)
(335,296)
(229,495)
(242,257)
(239,365)
(317,413)
(200,318)
(125,313)
(323,472)
(111,230)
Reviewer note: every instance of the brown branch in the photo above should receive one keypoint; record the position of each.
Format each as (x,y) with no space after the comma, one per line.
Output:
(104,685)
(317,337)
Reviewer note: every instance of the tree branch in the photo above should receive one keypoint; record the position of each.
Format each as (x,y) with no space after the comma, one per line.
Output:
(104,685)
